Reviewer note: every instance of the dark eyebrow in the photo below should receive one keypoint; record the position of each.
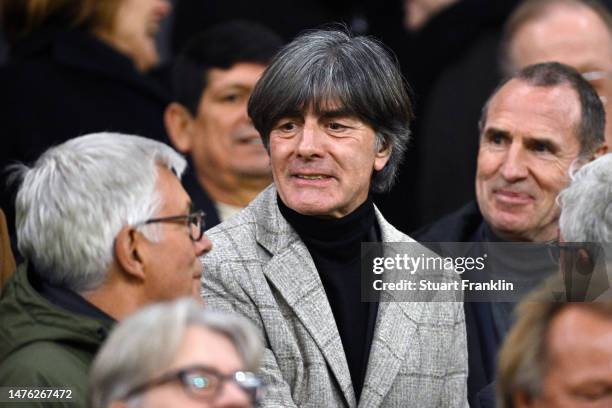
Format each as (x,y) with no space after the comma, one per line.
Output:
(235,86)
(337,113)
(189,207)
(495,131)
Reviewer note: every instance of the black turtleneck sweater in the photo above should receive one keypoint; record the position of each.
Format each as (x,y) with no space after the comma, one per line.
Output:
(335,247)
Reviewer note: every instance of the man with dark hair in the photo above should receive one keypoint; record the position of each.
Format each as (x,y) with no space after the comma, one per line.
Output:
(537,125)
(333,112)
(212,79)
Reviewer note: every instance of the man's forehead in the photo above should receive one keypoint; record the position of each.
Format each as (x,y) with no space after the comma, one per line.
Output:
(569,33)
(545,112)
(520,95)
(173,195)
(576,325)
(322,108)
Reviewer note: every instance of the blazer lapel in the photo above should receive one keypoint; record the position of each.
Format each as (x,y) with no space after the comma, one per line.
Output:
(395,327)
(292,272)
(393,332)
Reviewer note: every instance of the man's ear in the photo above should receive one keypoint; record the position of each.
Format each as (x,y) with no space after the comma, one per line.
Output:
(382,156)
(600,151)
(128,252)
(179,126)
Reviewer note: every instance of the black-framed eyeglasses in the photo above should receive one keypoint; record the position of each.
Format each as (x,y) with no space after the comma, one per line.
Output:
(205,383)
(195,221)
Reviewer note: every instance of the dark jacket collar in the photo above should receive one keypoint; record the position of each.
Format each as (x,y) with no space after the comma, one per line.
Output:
(82,50)
(64,298)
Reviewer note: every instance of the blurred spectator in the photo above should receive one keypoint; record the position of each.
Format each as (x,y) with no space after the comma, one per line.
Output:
(76,66)
(586,217)
(212,79)
(557,355)
(106,229)
(586,204)
(419,12)
(574,32)
(7,261)
(535,126)
(178,355)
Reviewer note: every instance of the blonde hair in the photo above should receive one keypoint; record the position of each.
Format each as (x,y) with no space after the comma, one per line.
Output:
(523,359)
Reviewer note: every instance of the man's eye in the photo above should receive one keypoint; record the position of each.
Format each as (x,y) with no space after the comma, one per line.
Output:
(287,126)
(200,382)
(540,147)
(497,138)
(336,126)
(230,98)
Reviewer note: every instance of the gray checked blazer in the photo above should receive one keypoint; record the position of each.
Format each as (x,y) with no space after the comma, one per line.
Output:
(260,268)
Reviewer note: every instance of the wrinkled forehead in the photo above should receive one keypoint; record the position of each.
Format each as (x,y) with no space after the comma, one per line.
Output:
(329,108)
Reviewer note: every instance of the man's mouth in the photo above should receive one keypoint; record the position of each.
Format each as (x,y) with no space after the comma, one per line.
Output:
(513,197)
(312,176)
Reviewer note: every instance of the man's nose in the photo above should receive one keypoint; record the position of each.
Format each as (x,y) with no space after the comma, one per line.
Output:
(310,142)
(203,246)
(232,396)
(515,167)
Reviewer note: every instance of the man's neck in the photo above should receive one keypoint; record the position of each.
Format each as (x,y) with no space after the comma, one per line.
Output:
(238,193)
(116,301)
(542,235)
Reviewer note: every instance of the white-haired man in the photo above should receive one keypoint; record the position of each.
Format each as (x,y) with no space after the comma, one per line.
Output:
(106,228)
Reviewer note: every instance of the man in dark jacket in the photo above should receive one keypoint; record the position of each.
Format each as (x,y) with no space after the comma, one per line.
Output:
(212,79)
(106,228)
(534,128)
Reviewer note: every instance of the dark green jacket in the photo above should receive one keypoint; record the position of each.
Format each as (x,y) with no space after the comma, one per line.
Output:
(42,345)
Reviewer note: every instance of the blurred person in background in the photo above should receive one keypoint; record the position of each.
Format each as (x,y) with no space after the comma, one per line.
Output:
(212,81)
(178,355)
(586,212)
(76,67)
(106,228)
(557,355)
(577,33)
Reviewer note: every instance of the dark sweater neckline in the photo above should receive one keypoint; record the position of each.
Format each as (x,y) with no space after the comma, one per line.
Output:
(331,231)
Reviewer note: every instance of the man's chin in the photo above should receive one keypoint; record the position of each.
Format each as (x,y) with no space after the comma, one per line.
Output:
(253,170)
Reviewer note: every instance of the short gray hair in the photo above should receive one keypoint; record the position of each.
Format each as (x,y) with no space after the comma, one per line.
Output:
(589,131)
(325,66)
(145,344)
(586,204)
(77,196)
